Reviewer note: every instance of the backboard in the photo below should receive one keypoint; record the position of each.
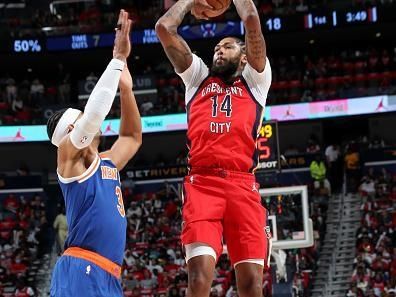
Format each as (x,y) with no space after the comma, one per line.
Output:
(288,218)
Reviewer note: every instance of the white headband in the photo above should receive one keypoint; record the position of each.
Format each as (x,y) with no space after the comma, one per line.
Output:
(69,117)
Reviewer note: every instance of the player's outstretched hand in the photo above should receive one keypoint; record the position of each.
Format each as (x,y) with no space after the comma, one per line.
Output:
(122,43)
(126,82)
(199,8)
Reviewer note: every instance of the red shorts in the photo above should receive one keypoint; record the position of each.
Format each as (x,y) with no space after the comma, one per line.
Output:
(219,203)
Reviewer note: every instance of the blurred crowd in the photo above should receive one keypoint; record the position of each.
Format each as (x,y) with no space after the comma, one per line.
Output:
(341,74)
(154,263)
(98,16)
(375,264)
(307,78)
(24,240)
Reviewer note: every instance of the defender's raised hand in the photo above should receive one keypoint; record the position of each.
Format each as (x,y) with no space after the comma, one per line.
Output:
(122,43)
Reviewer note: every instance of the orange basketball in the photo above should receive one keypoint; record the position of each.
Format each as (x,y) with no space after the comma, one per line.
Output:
(219,7)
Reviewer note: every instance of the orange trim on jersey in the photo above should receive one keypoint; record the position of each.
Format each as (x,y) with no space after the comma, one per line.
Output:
(104,155)
(104,263)
(88,173)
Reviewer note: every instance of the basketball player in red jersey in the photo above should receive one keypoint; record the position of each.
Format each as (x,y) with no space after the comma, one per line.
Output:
(225,106)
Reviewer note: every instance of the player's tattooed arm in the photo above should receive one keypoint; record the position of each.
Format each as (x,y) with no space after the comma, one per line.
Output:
(254,39)
(177,50)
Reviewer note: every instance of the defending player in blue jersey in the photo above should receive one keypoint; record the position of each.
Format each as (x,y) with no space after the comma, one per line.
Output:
(90,182)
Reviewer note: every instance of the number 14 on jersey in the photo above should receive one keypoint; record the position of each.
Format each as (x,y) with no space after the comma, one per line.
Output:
(223,107)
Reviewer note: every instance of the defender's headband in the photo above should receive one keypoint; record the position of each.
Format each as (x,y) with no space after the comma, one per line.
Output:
(69,117)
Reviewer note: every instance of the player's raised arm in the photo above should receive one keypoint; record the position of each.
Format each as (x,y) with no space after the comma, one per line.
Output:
(130,135)
(87,126)
(177,50)
(254,39)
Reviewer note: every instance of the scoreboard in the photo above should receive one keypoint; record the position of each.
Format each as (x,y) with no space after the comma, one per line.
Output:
(300,22)
(268,146)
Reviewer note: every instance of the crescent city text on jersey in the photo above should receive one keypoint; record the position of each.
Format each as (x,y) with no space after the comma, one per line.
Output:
(215,88)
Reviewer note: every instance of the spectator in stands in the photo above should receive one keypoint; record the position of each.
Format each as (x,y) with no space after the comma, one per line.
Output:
(11,90)
(377,143)
(43,237)
(333,159)
(22,290)
(354,291)
(352,161)
(129,282)
(146,106)
(148,281)
(153,265)
(307,96)
(361,279)
(129,258)
(318,174)
(37,203)
(37,91)
(179,259)
(60,226)
(16,105)
(64,90)
(367,187)
(313,146)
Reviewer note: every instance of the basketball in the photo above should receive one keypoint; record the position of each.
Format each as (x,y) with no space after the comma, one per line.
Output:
(219,7)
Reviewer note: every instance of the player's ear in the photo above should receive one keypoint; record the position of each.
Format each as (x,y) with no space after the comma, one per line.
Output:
(243,60)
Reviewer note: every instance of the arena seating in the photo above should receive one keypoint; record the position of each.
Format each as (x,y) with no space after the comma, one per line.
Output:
(375,264)
(154,262)
(93,16)
(360,72)
(23,241)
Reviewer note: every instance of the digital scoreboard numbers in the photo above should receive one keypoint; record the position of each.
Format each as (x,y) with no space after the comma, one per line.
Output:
(335,19)
(27,46)
(80,42)
(309,21)
(320,20)
(274,24)
(268,146)
(363,16)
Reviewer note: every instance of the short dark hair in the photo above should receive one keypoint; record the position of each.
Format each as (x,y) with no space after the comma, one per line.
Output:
(241,43)
(53,121)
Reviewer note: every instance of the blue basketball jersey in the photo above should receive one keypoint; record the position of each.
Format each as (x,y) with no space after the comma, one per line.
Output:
(95,210)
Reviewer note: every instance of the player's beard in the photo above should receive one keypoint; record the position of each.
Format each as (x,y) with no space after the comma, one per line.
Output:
(227,70)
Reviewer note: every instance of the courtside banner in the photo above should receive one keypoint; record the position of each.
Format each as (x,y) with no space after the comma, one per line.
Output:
(178,122)
(164,172)
(331,108)
(165,123)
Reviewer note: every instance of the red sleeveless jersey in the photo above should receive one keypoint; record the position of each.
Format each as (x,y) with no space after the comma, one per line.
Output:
(224,119)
